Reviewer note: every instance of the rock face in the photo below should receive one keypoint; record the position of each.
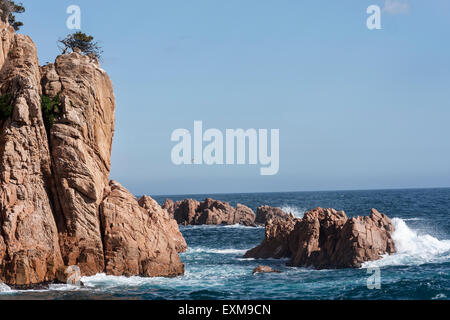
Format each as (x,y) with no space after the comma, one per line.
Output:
(165,222)
(266,213)
(57,210)
(209,212)
(265,269)
(29,249)
(80,141)
(276,241)
(134,243)
(327,239)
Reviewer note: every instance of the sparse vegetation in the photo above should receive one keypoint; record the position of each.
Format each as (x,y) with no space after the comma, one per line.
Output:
(6,107)
(83,42)
(8,11)
(51,108)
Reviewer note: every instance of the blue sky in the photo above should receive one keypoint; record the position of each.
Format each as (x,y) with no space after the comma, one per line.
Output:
(356,109)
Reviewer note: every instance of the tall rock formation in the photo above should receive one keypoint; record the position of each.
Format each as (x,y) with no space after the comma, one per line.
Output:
(29,249)
(80,142)
(57,208)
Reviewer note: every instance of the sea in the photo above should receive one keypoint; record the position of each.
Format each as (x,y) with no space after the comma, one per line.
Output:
(216,269)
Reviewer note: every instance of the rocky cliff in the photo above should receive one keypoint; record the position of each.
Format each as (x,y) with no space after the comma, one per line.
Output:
(57,206)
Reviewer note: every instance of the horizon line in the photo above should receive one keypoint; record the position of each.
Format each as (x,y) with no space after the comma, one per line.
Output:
(305,191)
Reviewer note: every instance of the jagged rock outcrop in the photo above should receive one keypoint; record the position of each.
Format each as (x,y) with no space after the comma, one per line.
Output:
(266,213)
(184,212)
(57,210)
(276,242)
(162,219)
(209,212)
(327,239)
(80,141)
(29,249)
(133,243)
(169,206)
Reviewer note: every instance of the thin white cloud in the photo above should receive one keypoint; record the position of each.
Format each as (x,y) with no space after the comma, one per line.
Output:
(396,6)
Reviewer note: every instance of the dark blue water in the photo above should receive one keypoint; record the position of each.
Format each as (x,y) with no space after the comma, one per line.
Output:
(215,268)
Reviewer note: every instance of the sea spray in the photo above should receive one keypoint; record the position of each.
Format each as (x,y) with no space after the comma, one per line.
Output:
(413,248)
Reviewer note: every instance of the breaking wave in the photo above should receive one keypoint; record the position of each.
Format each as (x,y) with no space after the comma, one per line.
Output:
(296,211)
(413,248)
(217,251)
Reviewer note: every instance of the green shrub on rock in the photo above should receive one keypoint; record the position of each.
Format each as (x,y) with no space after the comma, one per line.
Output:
(6,107)
(51,107)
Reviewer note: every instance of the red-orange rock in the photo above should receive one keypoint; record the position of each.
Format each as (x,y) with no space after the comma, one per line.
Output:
(276,241)
(80,140)
(326,239)
(29,249)
(266,213)
(134,244)
(162,218)
(209,212)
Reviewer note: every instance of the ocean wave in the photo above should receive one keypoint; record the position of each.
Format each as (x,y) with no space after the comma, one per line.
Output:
(413,248)
(5,289)
(296,211)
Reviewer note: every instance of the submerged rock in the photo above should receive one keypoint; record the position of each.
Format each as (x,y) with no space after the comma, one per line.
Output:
(265,269)
(327,239)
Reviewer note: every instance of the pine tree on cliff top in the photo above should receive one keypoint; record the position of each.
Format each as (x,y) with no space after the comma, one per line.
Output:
(8,9)
(83,42)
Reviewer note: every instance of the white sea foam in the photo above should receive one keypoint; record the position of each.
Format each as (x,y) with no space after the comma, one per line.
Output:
(4,288)
(413,248)
(296,211)
(218,251)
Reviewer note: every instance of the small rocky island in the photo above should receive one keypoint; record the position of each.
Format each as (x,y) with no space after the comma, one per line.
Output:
(326,239)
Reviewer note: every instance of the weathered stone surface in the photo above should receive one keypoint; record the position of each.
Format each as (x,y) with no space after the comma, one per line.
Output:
(326,239)
(134,244)
(276,241)
(169,206)
(265,269)
(162,219)
(209,212)
(50,201)
(266,213)
(29,249)
(80,140)
(185,211)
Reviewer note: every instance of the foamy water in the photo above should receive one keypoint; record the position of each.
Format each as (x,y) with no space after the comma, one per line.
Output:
(413,248)
(215,268)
